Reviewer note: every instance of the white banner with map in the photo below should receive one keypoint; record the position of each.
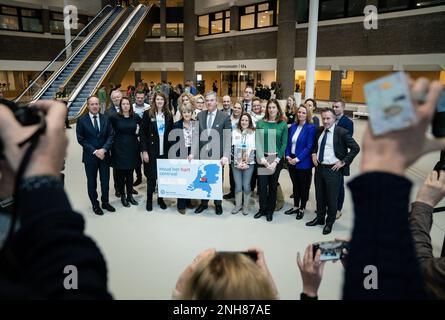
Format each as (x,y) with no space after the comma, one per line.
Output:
(196,179)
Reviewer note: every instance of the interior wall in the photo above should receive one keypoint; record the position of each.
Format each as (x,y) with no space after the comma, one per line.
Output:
(175,77)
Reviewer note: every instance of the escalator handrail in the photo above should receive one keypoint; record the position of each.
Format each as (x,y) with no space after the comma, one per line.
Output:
(61,52)
(99,60)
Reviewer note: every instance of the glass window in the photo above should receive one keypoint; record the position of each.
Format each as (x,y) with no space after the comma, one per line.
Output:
(228,14)
(250,9)
(218,15)
(393,5)
(9,10)
(203,23)
(172,30)
(217,26)
(227,25)
(180,29)
(56,26)
(29,13)
(9,22)
(247,22)
(429,3)
(155,31)
(264,20)
(175,3)
(31,24)
(263,7)
(56,16)
(355,8)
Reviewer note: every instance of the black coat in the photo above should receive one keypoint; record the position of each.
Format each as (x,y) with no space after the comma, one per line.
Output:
(90,140)
(177,140)
(150,137)
(342,142)
(125,149)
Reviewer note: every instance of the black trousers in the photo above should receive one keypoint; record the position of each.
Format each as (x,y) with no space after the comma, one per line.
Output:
(301,183)
(151,171)
(253,180)
(327,187)
(267,189)
(231,180)
(125,181)
(91,170)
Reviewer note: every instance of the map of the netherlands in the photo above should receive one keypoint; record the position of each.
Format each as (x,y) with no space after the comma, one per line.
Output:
(205,177)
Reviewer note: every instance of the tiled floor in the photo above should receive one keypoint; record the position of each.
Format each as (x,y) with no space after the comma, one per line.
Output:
(146,252)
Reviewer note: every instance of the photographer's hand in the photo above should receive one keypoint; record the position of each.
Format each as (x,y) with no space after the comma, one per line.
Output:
(311,271)
(47,158)
(395,151)
(433,189)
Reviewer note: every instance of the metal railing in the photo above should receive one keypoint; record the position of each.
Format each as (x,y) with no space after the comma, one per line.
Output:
(35,81)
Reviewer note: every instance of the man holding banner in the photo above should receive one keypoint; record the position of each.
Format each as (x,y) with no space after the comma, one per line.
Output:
(215,140)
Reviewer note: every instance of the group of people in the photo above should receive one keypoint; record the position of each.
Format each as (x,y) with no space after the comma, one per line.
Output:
(257,140)
(386,235)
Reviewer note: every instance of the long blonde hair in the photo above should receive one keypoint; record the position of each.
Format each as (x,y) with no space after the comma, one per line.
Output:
(228,276)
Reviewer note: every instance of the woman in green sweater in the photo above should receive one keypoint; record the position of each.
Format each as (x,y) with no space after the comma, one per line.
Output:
(271,140)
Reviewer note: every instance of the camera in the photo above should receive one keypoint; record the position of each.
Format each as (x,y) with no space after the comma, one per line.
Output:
(25,115)
(330,250)
(439,117)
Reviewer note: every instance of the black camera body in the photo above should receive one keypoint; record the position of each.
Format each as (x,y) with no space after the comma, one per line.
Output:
(25,115)
(439,118)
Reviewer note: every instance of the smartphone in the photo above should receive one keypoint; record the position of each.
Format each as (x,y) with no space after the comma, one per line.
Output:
(330,250)
(390,104)
(439,117)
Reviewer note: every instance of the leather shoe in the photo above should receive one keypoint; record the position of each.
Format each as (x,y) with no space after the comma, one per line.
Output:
(300,214)
(137,182)
(315,222)
(218,210)
(117,194)
(124,202)
(258,215)
(269,217)
(131,200)
(181,211)
(201,208)
(228,196)
(291,211)
(134,191)
(327,229)
(162,204)
(108,207)
(149,206)
(97,210)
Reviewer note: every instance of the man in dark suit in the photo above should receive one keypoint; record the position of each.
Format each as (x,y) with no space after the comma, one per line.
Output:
(344,122)
(331,159)
(95,135)
(214,124)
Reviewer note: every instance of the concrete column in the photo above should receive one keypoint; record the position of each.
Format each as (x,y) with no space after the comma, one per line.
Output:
(190,22)
(234,18)
(286,47)
(164,76)
(163,17)
(335,90)
(45,17)
(67,31)
(137,76)
(311,48)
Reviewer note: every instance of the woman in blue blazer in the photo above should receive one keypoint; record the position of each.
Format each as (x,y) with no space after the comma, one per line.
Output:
(298,155)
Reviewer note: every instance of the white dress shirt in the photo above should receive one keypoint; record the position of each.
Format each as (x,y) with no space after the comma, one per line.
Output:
(295,138)
(329,154)
(92,119)
(213,117)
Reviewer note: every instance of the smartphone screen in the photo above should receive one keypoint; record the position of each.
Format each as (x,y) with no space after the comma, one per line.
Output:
(330,250)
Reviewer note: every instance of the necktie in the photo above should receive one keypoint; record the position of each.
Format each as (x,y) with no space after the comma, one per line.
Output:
(209,122)
(322,146)
(96,125)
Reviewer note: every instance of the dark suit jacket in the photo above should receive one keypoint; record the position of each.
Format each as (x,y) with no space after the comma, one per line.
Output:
(90,140)
(149,135)
(304,145)
(223,126)
(342,142)
(346,123)
(177,136)
(111,110)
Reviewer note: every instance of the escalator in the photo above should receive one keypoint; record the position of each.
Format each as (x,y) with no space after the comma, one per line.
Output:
(114,61)
(77,60)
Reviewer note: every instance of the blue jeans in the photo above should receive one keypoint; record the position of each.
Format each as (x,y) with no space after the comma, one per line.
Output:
(242,178)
